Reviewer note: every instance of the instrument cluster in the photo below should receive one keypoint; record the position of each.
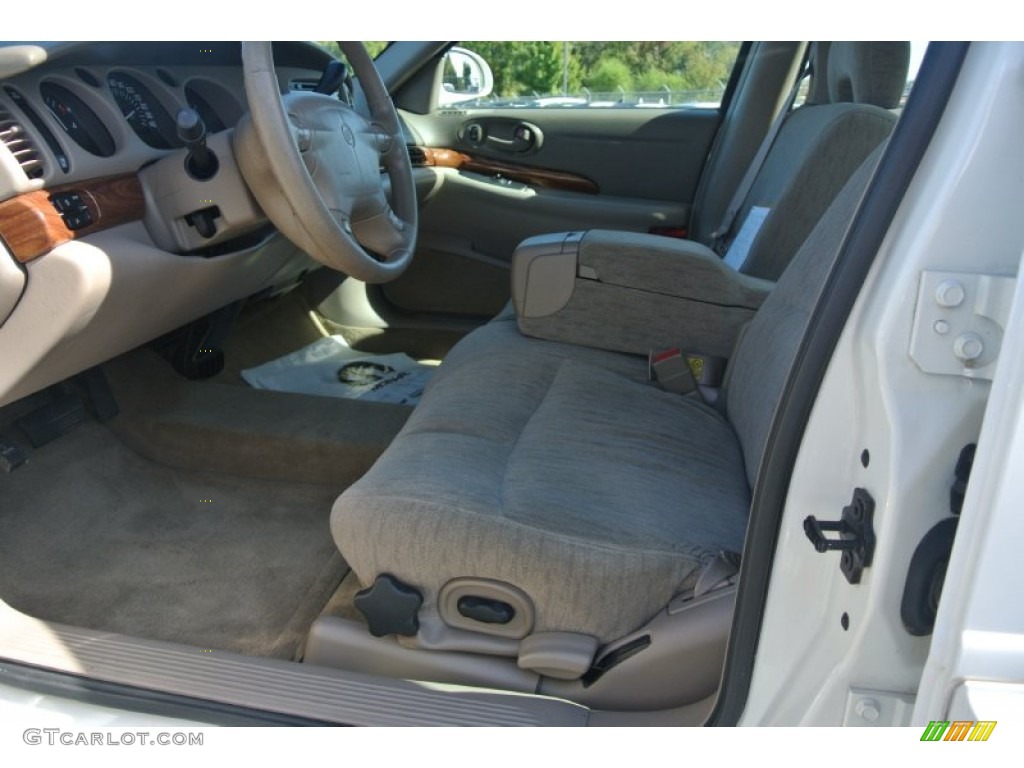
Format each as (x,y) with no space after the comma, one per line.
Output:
(123,110)
(146,109)
(97,109)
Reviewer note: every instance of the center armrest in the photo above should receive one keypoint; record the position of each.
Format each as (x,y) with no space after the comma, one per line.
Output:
(631,292)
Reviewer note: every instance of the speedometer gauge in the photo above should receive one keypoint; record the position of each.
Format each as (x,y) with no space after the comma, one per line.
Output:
(144,113)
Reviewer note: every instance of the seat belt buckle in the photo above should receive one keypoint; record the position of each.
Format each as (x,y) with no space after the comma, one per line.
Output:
(707,371)
(670,370)
(708,374)
(676,371)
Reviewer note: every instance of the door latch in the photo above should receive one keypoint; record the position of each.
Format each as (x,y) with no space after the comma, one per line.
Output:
(856,532)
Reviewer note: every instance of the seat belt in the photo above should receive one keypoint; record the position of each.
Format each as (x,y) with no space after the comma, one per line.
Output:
(719,238)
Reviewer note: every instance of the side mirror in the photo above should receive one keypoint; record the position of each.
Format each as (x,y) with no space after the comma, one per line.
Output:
(466,76)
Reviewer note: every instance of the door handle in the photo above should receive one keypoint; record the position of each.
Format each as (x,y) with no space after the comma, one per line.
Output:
(524,138)
(519,137)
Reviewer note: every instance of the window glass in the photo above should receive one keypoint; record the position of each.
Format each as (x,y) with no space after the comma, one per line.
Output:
(918,48)
(648,74)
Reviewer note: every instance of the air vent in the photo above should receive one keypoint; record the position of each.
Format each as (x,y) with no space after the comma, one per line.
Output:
(15,138)
(417,155)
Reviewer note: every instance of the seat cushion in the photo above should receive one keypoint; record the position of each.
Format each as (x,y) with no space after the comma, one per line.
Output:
(557,469)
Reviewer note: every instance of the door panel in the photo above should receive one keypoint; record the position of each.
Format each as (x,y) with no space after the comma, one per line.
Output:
(647,153)
(630,169)
(471,223)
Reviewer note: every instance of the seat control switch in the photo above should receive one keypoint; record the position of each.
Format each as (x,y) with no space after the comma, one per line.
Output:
(486,611)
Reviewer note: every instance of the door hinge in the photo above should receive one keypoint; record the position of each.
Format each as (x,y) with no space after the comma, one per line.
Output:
(856,532)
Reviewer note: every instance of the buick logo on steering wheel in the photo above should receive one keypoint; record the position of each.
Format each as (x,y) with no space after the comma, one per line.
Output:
(350,138)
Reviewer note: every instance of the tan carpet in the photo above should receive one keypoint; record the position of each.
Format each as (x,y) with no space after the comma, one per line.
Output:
(94,535)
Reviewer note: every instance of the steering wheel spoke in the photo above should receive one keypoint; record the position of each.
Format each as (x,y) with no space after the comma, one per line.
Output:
(314,165)
(384,141)
(383,233)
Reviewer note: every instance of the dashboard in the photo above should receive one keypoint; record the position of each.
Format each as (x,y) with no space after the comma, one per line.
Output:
(96,109)
(106,240)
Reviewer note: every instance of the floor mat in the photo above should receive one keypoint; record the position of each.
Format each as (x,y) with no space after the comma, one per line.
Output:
(330,367)
(93,535)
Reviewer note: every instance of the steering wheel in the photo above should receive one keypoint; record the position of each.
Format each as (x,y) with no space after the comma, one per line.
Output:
(314,165)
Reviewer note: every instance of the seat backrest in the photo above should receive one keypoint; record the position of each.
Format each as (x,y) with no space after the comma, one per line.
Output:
(768,347)
(820,145)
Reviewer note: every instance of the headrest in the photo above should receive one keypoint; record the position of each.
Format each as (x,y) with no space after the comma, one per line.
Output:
(868,73)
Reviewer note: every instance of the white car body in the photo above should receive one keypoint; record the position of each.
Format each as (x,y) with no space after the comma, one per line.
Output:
(809,670)
(961,215)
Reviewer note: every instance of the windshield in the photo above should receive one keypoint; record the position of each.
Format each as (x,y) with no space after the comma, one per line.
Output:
(373,47)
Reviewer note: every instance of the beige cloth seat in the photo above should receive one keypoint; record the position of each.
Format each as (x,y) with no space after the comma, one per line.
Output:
(560,471)
(848,114)
(556,470)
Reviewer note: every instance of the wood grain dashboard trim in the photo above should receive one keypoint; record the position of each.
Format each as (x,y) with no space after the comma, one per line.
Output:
(538,177)
(32,227)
